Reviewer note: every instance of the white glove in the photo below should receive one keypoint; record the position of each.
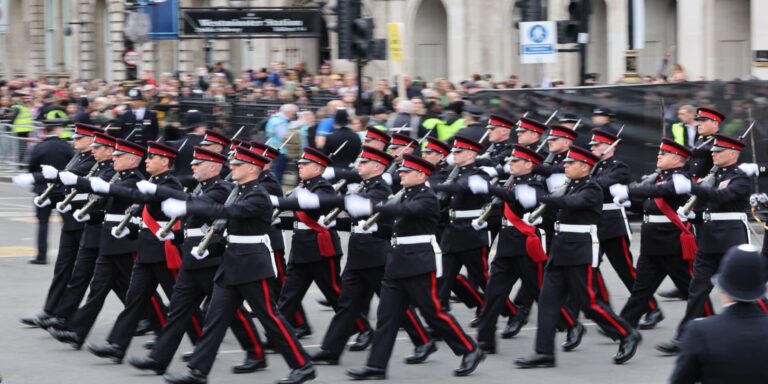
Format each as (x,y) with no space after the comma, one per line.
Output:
(276,221)
(450,160)
(555,181)
(387,178)
(62,209)
(67,178)
(147,187)
(174,207)
(99,185)
(622,202)
(352,187)
(50,172)
(321,221)
(485,155)
(169,236)
(682,184)
(619,190)
(477,226)
(526,195)
(120,235)
(274,200)
(690,216)
(360,228)
(478,185)
(491,171)
(526,219)
(41,204)
(80,218)
(751,169)
(329,173)
(307,199)
(23,180)
(757,199)
(357,206)
(196,255)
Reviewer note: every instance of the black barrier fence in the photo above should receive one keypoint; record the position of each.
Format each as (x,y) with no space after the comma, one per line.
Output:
(639,109)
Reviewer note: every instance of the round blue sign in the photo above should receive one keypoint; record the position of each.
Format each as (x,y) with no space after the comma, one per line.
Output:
(537,34)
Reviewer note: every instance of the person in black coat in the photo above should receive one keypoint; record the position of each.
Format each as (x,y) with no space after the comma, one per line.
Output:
(194,125)
(728,348)
(342,135)
(139,118)
(57,153)
(709,122)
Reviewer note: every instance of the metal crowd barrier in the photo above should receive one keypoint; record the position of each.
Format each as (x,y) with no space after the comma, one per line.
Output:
(14,149)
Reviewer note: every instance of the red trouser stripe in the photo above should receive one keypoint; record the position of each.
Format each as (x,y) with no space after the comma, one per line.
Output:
(597,308)
(447,318)
(465,283)
(196,326)
(708,311)
(299,318)
(603,288)
(279,264)
(540,274)
(419,330)
(628,258)
(484,258)
(512,308)
(286,335)
(251,335)
(567,316)
(336,288)
(761,303)
(158,311)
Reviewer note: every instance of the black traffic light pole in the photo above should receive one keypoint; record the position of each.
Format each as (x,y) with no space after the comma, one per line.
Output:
(359,100)
(583,28)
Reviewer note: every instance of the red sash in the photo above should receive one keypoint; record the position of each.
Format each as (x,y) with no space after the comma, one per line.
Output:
(172,256)
(687,239)
(532,241)
(324,239)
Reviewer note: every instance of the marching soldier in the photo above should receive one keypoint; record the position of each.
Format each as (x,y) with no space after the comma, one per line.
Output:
(375,139)
(315,247)
(667,243)
(71,231)
(573,254)
(520,253)
(529,132)
(500,130)
(410,276)
(115,255)
(724,224)
(246,267)
(613,230)
(157,258)
(400,146)
(709,122)
(196,277)
(364,270)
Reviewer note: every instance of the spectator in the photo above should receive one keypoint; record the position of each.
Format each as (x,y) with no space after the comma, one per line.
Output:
(343,142)
(276,130)
(325,127)
(403,120)
(684,131)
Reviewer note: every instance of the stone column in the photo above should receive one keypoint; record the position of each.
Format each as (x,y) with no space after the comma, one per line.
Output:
(759,35)
(36,24)
(87,35)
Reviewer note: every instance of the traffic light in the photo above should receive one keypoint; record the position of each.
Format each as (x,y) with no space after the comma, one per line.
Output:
(346,12)
(568,30)
(530,10)
(362,38)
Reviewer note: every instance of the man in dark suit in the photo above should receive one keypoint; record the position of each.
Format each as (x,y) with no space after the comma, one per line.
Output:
(726,348)
(194,126)
(137,116)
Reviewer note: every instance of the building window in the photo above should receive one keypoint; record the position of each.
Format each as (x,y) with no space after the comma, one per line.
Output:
(50,34)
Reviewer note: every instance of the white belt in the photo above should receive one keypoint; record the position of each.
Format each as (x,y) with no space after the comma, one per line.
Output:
(260,239)
(80,197)
(614,207)
(542,233)
(659,219)
(611,207)
(729,216)
(584,228)
(466,214)
(116,218)
(194,232)
(423,239)
(359,229)
(160,223)
(300,225)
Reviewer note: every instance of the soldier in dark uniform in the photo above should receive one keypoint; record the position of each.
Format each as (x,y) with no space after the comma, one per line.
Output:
(573,254)
(158,260)
(500,130)
(364,270)
(529,133)
(246,267)
(520,253)
(195,128)
(602,118)
(195,280)
(473,130)
(115,254)
(722,206)
(315,247)
(216,142)
(667,243)
(57,153)
(410,276)
(71,230)
(464,243)
(400,146)
(727,348)
(375,139)
(137,116)
(435,152)
(613,230)
(701,156)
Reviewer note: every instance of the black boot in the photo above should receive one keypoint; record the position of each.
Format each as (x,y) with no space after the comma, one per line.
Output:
(34,321)
(250,364)
(573,339)
(537,360)
(144,327)
(367,373)
(488,348)
(671,347)
(149,345)
(187,356)
(147,364)
(299,375)
(362,342)
(109,350)
(325,358)
(514,325)
(303,331)
(193,376)
(469,362)
(673,294)
(53,322)
(651,319)
(421,353)
(66,336)
(628,347)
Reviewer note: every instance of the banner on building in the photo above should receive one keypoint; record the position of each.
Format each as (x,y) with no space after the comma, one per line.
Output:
(395,41)
(4,16)
(164,18)
(250,23)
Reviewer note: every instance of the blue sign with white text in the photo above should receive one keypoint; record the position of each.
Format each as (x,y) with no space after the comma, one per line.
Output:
(165,19)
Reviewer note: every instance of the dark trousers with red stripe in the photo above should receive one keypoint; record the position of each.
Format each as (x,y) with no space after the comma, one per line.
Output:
(421,292)
(617,252)
(357,287)
(651,272)
(468,290)
(325,274)
(145,278)
(224,301)
(705,266)
(562,282)
(276,287)
(77,282)
(69,243)
(192,287)
(505,271)
(112,273)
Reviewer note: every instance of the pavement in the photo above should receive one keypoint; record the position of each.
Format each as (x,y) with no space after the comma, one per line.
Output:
(31,356)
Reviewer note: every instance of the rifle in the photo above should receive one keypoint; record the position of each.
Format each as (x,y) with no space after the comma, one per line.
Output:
(336,211)
(218,224)
(61,205)
(392,200)
(39,199)
(709,180)
(92,200)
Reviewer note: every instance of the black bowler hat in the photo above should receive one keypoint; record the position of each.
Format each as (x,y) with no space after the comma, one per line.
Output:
(135,94)
(742,273)
(192,119)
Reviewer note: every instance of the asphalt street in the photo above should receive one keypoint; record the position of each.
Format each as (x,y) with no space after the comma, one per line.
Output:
(31,356)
